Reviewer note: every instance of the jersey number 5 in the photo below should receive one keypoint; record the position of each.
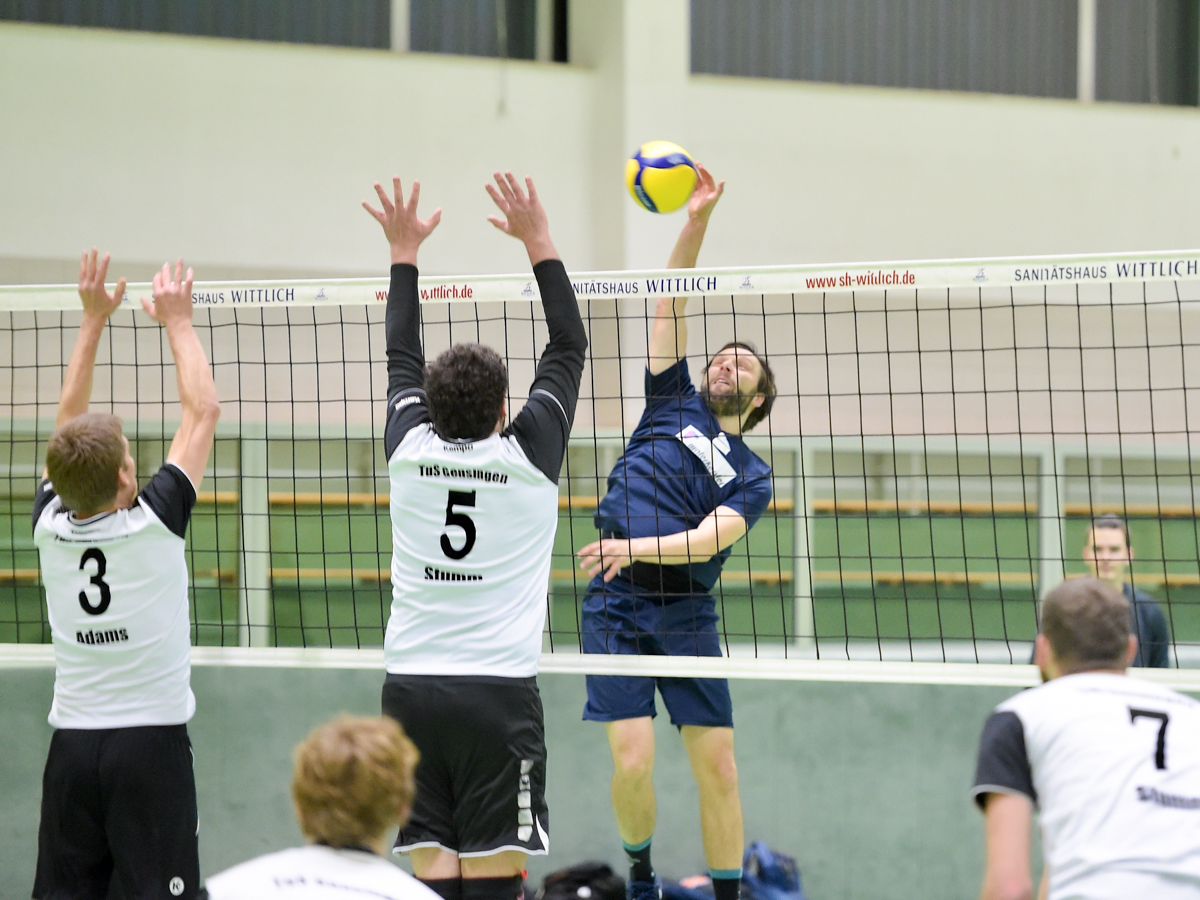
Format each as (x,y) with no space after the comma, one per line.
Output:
(1160,751)
(462,520)
(94,554)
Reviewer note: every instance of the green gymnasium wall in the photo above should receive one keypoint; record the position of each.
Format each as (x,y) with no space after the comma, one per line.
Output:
(865,784)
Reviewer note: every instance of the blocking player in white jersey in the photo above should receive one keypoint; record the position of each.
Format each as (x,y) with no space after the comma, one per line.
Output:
(352,783)
(1111,763)
(118,793)
(474,509)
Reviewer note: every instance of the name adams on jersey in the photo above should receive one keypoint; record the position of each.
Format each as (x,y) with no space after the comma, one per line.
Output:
(117,600)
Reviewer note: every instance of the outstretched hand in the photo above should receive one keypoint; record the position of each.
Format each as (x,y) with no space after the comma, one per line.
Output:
(97,301)
(403,229)
(705,195)
(172,303)
(525,219)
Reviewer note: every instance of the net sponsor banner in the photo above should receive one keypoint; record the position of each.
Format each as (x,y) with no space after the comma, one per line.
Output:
(1014,272)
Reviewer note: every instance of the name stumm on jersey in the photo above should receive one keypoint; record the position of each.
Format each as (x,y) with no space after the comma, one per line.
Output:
(1173,801)
(449,472)
(111,636)
(432,574)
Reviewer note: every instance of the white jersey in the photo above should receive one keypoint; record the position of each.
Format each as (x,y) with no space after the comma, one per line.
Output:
(1113,765)
(317,873)
(117,596)
(473,527)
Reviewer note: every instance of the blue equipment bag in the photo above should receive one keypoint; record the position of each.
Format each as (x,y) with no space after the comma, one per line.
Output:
(767,875)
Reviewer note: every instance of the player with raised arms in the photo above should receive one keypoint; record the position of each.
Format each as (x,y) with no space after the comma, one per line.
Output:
(1112,764)
(352,782)
(118,793)
(474,509)
(686,489)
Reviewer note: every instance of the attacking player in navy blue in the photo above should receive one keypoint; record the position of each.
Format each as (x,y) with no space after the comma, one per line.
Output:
(686,489)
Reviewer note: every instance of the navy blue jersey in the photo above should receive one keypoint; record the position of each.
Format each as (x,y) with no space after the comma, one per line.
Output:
(678,467)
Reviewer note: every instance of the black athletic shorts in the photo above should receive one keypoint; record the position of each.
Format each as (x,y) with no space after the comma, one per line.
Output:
(118,804)
(481,781)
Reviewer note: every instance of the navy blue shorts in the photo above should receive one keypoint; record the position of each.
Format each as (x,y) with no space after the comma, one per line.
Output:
(619,618)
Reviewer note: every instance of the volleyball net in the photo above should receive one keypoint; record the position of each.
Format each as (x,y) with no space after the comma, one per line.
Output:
(943,435)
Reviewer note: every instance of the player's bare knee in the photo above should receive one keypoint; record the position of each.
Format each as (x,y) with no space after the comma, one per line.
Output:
(633,761)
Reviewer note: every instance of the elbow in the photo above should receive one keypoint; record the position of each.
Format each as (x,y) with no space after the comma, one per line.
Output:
(209,410)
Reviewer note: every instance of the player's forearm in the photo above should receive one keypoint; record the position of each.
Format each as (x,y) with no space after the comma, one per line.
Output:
(719,530)
(677,549)
(1007,889)
(402,330)
(561,365)
(668,337)
(77,384)
(687,245)
(197,391)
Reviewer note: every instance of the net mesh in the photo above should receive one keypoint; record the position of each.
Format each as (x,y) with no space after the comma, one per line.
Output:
(937,454)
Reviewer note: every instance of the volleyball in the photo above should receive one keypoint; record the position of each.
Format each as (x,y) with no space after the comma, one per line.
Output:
(660,176)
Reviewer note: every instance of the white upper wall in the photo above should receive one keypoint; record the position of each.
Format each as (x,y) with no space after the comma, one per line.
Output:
(253,157)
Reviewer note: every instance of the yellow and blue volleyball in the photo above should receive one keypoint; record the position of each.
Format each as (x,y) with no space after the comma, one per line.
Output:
(660,176)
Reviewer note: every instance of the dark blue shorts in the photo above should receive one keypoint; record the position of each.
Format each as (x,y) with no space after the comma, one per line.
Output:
(619,618)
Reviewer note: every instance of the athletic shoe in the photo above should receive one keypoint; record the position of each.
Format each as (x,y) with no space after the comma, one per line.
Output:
(644,890)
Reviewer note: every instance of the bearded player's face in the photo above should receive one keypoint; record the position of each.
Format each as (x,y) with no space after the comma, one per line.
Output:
(731,382)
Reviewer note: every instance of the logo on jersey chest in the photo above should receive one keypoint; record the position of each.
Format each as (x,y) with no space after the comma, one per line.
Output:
(711,452)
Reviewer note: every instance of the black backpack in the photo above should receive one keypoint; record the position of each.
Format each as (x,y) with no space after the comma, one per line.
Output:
(585,881)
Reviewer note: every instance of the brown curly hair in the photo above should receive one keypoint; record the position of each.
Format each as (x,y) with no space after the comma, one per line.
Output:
(465,387)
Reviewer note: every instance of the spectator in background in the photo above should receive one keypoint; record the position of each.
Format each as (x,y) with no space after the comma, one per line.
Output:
(352,785)
(1108,552)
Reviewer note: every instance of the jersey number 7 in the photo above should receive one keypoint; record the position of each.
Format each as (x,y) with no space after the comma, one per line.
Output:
(1160,751)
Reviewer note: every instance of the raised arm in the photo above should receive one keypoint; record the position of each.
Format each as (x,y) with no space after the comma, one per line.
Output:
(668,337)
(98,305)
(544,425)
(404,232)
(172,308)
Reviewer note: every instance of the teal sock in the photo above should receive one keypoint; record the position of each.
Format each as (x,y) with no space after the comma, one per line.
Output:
(639,860)
(727,883)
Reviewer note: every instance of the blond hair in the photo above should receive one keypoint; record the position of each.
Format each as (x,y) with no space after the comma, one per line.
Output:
(353,779)
(83,460)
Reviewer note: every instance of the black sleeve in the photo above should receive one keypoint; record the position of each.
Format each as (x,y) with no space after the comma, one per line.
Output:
(543,426)
(171,496)
(1003,766)
(405,359)
(45,493)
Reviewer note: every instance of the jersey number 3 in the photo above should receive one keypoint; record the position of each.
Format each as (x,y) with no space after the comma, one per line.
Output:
(94,554)
(462,520)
